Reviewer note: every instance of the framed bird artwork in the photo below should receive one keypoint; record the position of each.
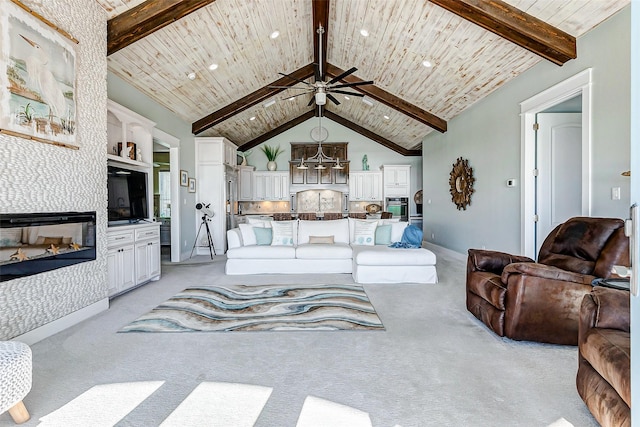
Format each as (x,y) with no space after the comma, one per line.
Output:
(37,77)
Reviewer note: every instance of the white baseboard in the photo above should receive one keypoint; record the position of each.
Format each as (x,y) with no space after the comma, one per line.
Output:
(443,250)
(63,323)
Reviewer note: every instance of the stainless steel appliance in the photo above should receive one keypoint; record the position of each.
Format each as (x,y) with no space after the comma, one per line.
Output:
(398,206)
(231,197)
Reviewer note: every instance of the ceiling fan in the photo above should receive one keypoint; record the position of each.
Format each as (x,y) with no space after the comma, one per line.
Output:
(320,89)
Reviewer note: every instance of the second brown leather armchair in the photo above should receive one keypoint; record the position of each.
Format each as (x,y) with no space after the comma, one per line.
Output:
(540,301)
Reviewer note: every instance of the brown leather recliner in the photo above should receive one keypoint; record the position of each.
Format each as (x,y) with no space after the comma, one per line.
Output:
(540,301)
(604,356)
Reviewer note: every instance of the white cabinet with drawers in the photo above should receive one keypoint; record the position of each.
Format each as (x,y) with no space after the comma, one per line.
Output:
(133,256)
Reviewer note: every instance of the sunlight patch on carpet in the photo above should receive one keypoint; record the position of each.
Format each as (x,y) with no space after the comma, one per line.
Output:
(318,412)
(101,405)
(229,404)
(262,308)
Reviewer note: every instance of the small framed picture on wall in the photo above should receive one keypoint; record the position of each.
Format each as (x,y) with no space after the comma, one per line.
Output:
(192,185)
(184,178)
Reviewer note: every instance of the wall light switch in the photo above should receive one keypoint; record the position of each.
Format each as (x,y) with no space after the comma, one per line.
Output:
(615,193)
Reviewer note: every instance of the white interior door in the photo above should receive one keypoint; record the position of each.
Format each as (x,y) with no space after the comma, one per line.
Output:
(559,165)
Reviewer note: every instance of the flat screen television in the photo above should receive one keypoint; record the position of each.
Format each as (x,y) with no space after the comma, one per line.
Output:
(127,195)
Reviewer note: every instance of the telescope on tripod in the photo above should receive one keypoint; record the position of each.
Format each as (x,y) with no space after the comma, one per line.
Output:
(207,214)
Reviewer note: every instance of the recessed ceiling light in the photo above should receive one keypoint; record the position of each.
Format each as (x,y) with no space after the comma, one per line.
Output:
(269,103)
(292,98)
(386,117)
(213,66)
(275,34)
(191,75)
(346,97)
(426,63)
(364,32)
(252,118)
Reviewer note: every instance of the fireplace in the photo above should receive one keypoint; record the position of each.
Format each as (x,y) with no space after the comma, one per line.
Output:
(38,242)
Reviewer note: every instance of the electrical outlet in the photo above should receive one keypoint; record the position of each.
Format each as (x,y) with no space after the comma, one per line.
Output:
(433,236)
(615,193)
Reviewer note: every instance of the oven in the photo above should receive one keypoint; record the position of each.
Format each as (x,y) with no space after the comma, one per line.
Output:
(398,206)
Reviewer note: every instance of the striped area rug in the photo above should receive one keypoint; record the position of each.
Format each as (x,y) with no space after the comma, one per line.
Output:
(262,308)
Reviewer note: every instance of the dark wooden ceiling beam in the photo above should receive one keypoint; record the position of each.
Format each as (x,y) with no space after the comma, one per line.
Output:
(320,17)
(250,100)
(392,101)
(516,26)
(277,131)
(145,19)
(372,136)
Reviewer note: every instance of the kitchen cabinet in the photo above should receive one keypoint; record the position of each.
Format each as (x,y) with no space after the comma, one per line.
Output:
(245,183)
(314,176)
(397,180)
(271,186)
(133,256)
(365,186)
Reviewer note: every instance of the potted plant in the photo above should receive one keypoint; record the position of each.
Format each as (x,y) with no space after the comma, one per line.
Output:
(272,154)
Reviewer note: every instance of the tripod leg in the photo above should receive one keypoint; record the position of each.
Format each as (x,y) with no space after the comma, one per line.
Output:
(196,241)
(210,239)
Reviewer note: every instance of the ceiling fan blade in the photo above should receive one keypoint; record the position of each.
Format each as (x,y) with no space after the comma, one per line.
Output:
(316,72)
(333,99)
(343,75)
(370,82)
(288,87)
(311,101)
(344,92)
(293,78)
(293,96)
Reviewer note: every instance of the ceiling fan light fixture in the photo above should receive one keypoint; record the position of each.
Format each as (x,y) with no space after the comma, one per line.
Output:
(274,35)
(364,32)
(321,98)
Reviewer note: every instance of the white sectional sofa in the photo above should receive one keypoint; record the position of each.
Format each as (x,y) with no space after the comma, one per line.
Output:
(298,247)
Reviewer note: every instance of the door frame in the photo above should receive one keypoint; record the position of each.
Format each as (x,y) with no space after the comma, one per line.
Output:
(173,144)
(579,84)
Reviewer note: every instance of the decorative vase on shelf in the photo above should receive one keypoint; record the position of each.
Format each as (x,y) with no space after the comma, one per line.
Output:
(271,165)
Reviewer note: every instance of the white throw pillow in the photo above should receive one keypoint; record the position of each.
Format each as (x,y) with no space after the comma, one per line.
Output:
(364,233)
(248,236)
(259,222)
(352,226)
(397,229)
(282,233)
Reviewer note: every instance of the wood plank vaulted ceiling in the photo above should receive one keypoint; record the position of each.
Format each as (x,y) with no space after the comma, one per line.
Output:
(474,46)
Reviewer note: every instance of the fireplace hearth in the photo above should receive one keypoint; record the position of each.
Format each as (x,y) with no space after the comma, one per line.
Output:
(34,243)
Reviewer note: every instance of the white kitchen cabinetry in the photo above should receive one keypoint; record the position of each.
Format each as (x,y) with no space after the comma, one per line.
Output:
(133,256)
(271,186)
(216,179)
(245,183)
(365,186)
(397,180)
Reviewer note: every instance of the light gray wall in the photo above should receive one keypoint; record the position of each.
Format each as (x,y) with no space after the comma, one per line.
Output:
(37,177)
(635,198)
(359,145)
(130,97)
(489,135)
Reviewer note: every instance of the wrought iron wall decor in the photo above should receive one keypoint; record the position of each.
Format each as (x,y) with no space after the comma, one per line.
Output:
(461,183)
